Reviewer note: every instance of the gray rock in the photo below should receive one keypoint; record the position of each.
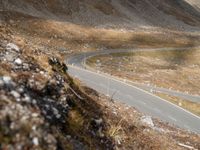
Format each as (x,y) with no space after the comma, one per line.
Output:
(20,90)
(98,121)
(18,61)
(26,66)
(34,102)
(6,79)
(55,111)
(68,137)
(35,141)
(34,128)
(35,115)
(147,120)
(42,72)
(10,56)
(27,99)
(58,116)
(11,46)
(15,94)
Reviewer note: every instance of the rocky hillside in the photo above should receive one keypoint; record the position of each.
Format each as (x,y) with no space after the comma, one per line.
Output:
(42,107)
(131,14)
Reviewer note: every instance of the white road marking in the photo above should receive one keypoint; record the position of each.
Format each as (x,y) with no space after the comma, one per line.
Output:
(104,76)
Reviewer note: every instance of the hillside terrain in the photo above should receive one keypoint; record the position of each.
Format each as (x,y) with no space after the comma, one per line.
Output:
(90,25)
(179,14)
(42,107)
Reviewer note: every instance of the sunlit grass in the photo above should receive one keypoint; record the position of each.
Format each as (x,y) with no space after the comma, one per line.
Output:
(188,105)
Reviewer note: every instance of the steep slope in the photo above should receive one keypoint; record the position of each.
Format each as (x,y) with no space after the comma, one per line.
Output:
(178,14)
(43,108)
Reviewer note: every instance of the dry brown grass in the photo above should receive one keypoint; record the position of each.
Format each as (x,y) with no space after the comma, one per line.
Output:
(80,116)
(4,69)
(188,105)
(78,37)
(76,120)
(177,70)
(116,131)
(133,135)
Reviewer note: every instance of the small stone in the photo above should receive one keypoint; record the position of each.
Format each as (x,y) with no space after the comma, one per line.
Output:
(48,117)
(12,125)
(20,90)
(58,116)
(44,112)
(34,102)
(35,141)
(114,112)
(37,69)
(68,137)
(15,94)
(55,111)
(25,66)
(24,118)
(99,121)
(18,99)
(7,79)
(35,115)
(34,128)
(118,142)
(47,106)
(147,120)
(42,72)
(11,46)
(27,99)
(18,61)
(101,134)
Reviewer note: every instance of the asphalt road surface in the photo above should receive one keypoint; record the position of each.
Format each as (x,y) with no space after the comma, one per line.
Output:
(145,102)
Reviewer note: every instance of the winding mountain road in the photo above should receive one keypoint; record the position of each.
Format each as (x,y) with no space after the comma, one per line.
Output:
(131,95)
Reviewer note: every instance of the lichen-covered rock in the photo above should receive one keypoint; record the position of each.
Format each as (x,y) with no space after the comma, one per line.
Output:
(12,46)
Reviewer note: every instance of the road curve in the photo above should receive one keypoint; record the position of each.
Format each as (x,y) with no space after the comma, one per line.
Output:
(131,95)
(78,60)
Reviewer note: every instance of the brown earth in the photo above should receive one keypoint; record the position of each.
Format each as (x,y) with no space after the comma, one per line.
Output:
(43,108)
(176,70)
(132,14)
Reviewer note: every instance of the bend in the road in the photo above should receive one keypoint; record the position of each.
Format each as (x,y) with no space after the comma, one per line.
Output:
(131,95)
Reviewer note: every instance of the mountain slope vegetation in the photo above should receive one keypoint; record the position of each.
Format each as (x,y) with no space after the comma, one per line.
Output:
(42,107)
(178,14)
